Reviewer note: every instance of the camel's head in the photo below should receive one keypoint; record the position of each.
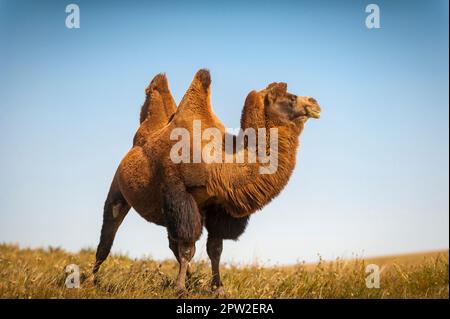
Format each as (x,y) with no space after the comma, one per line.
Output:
(282,106)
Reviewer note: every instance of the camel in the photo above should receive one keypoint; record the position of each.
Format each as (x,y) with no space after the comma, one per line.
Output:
(185,197)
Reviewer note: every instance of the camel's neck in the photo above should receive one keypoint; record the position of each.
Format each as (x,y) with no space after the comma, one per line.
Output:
(244,188)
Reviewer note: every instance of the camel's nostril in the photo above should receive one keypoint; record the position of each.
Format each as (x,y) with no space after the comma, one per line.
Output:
(312,100)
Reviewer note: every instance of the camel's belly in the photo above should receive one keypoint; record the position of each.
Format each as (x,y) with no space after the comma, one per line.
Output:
(137,184)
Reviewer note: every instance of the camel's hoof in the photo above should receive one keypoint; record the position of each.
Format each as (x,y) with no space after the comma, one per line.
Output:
(94,279)
(181,292)
(90,282)
(219,292)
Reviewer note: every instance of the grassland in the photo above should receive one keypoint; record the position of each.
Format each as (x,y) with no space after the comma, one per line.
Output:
(40,273)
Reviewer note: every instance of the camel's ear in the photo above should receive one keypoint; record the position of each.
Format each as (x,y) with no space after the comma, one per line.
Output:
(253,114)
(275,90)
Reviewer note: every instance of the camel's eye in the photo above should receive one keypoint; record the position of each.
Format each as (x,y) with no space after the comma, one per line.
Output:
(292,100)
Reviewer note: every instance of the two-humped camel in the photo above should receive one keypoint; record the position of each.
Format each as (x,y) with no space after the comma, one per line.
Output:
(184,197)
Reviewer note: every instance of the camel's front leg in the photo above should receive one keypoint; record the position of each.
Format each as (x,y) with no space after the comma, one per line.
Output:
(184,224)
(185,252)
(220,226)
(214,247)
(173,245)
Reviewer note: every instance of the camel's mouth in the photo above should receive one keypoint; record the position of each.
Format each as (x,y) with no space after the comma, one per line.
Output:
(312,112)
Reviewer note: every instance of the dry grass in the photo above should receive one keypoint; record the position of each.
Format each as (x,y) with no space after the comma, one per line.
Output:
(39,273)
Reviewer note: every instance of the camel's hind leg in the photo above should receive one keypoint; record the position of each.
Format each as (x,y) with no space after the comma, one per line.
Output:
(115,210)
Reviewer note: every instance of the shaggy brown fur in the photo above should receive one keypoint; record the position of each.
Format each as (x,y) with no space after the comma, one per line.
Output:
(182,197)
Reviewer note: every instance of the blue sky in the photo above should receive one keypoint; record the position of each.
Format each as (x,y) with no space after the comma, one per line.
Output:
(372,176)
